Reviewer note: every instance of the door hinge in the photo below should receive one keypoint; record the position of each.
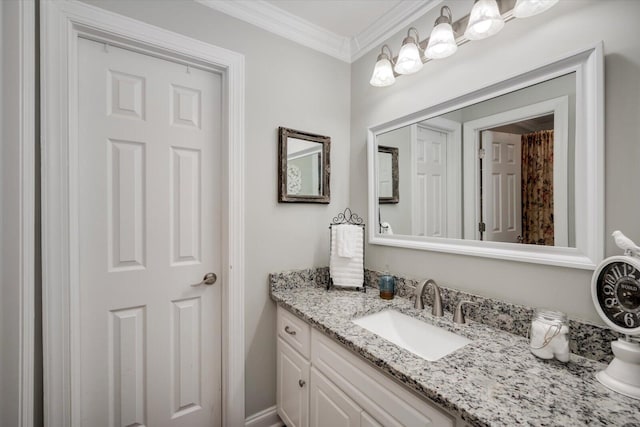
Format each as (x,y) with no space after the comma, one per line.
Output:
(481,153)
(482,227)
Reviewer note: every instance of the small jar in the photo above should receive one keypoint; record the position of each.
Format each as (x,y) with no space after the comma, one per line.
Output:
(549,335)
(387,285)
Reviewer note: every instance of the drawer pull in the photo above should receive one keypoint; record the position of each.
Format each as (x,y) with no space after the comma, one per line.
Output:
(290,332)
(301,383)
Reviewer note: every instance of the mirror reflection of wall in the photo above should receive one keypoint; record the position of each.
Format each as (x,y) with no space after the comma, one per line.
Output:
(385,182)
(499,170)
(397,214)
(304,167)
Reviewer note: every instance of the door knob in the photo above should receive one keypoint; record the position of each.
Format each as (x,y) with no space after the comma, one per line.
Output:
(208,279)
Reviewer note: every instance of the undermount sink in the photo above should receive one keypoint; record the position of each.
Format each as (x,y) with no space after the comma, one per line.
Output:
(423,339)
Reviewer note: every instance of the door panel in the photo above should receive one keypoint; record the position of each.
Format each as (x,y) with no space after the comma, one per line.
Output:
(292,389)
(367,420)
(149,227)
(430,183)
(501,176)
(330,406)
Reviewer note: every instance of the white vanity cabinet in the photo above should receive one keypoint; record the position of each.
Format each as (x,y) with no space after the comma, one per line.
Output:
(329,406)
(293,369)
(292,386)
(322,384)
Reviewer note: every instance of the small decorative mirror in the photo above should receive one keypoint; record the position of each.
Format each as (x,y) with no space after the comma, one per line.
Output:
(303,167)
(388,188)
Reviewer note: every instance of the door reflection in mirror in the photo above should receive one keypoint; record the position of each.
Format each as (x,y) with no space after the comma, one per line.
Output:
(517,183)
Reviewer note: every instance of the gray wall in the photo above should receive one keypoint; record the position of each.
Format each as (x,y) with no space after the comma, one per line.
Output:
(523,44)
(286,85)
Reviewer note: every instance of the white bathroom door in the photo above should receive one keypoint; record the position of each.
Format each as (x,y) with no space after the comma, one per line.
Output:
(149,227)
(430,183)
(501,186)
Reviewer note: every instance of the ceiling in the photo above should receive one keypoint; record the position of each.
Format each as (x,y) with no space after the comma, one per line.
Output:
(344,29)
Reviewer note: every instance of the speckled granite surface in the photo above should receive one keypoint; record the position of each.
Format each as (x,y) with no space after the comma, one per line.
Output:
(494,381)
(586,339)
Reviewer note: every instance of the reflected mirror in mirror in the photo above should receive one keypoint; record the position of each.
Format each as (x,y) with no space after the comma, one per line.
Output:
(388,185)
(303,167)
(499,170)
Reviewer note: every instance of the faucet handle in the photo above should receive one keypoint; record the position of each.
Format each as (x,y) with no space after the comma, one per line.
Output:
(458,316)
(418,302)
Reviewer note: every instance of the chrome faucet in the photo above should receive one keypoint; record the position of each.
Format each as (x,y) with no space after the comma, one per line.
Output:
(436,310)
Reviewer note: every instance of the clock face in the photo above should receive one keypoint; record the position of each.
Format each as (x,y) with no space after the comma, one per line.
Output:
(617,290)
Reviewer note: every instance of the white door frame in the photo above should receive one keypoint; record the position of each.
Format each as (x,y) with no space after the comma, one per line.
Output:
(62,23)
(26,155)
(560,108)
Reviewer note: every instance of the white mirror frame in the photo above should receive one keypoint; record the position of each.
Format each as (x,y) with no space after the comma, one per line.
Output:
(588,64)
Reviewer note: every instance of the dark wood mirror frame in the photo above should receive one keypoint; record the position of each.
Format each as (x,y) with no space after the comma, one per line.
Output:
(395,197)
(283,197)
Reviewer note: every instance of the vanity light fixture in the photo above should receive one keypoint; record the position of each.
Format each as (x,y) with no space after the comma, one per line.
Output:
(484,21)
(383,71)
(487,17)
(526,8)
(410,56)
(442,42)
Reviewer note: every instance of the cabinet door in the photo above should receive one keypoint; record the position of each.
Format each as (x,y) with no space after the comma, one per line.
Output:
(292,386)
(367,420)
(330,407)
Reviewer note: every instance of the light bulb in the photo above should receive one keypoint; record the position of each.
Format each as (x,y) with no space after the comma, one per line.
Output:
(526,8)
(442,43)
(484,21)
(382,72)
(409,59)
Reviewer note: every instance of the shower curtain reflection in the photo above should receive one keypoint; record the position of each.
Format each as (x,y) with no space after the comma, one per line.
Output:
(537,188)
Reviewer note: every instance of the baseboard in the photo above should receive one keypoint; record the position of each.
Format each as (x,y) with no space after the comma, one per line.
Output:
(265,418)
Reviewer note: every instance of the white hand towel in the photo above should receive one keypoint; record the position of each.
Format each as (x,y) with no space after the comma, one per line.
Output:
(347,272)
(346,235)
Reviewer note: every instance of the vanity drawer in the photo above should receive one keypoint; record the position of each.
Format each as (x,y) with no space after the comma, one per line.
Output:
(295,332)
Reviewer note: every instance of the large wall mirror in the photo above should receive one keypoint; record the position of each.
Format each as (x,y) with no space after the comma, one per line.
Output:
(512,171)
(303,167)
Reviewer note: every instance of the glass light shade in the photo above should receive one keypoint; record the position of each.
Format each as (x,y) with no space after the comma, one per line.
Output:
(526,8)
(382,73)
(409,60)
(484,21)
(442,43)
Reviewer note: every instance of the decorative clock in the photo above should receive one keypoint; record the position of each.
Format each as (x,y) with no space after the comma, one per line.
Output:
(615,289)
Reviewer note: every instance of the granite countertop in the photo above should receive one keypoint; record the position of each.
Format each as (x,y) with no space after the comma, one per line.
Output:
(493,381)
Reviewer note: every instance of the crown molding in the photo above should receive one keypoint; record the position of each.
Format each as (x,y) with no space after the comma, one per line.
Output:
(277,21)
(397,18)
